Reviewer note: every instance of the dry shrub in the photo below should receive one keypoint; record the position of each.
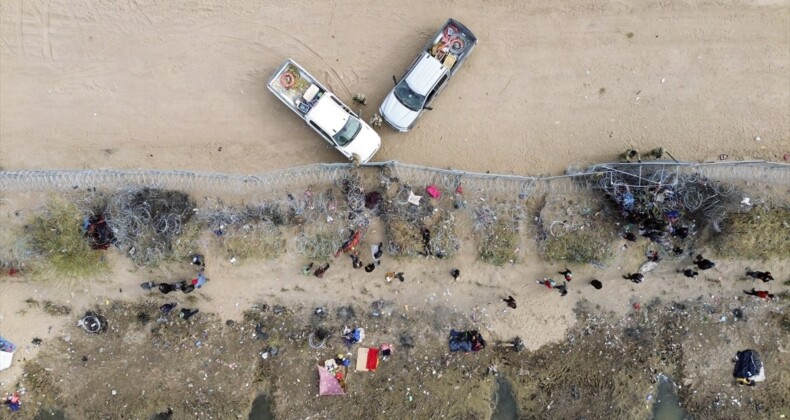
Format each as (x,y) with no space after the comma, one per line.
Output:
(575,230)
(263,241)
(762,233)
(52,308)
(40,382)
(405,238)
(499,242)
(319,246)
(581,246)
(56,239)
(444,241)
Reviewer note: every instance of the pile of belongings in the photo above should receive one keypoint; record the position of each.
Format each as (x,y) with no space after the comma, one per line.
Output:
(331,378)
(748,368)
(7,350)
(367,359)
(466,341)
(98,231)
(351,337)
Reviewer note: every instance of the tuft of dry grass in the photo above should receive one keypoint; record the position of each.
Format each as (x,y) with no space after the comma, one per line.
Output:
(319,246)
(56,239)
(405,238)
(262,241)
(761,233)
(499,243)
(581,246)
(54,309)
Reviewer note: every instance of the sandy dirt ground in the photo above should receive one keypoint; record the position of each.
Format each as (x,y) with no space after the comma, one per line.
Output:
(165,85)
(147,84)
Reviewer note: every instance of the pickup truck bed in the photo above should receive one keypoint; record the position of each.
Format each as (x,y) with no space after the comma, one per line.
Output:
(452,44)
(295,87)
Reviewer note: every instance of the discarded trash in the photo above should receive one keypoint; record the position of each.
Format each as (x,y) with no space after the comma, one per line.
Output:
(92,323)
(414,199)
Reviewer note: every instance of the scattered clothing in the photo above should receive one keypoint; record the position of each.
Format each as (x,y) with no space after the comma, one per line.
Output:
(456,273)
(549,283)
(188,313)
(389,276)
(703,263)
(690,273)
(596,284)
(13,402)
(635,277)
(319,272)
(765,276)
(762,294)
(466,341)
(677,251)
(629,236)
(399,276)
(167,307)
(306,269)
(370,267)
(567,274)
(510,302)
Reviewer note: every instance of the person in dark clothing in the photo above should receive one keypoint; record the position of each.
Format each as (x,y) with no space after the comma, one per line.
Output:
(319,272)
(567,274)
(703,263)
(426,240)
(198,259)
(510,302)
(184,287)
(635,277)
(187,313)
(596,284)
(167,307)
(629,236)
(370,267)
(456,273)
(689,273)
(762,294)
(765,276)
(681,232)
(379,251)
(563,288)
(355,262)
(166,288)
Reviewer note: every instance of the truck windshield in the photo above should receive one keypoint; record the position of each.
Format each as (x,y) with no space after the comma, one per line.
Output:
(409,98)
(349,131)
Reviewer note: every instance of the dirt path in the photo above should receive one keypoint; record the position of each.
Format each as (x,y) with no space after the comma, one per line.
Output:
(158,85)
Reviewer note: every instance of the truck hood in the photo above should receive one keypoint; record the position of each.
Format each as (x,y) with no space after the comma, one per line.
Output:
(365,144)
(397,115)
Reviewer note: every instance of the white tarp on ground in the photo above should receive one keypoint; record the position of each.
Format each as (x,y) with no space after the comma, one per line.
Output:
(7,350)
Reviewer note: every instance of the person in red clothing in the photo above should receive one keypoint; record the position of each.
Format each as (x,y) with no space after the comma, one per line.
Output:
(762,294)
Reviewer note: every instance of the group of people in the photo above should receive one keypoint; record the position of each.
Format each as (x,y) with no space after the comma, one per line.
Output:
(551,284)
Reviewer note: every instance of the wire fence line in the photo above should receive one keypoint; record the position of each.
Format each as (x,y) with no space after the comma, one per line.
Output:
(481,186)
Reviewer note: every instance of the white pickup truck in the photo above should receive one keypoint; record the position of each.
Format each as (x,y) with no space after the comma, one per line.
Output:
(324,112)
(427,75)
